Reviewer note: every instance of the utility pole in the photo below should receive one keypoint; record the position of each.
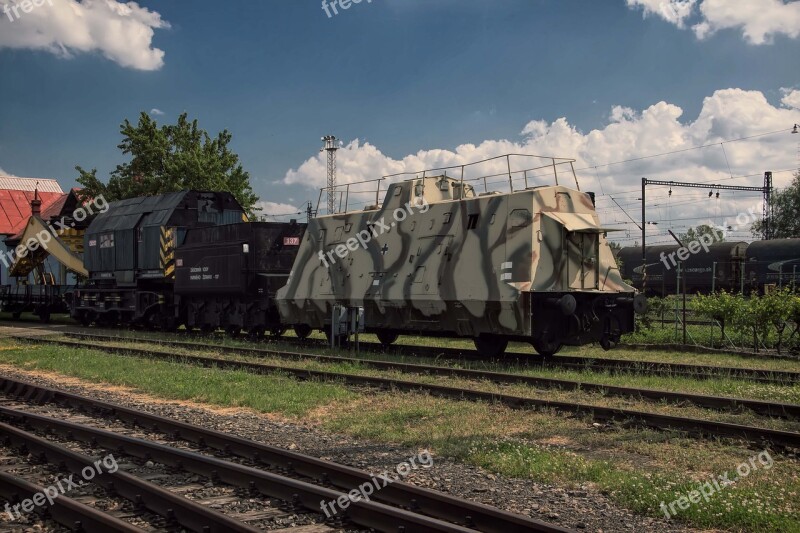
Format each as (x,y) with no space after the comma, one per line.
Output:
(767,219)
(644,236)
(331,147)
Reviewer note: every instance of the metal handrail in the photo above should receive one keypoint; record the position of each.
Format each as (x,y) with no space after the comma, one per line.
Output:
(554,162)
(344,195)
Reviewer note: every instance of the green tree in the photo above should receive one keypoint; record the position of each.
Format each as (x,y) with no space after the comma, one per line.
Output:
(171,158)
(694,234)
(785,212)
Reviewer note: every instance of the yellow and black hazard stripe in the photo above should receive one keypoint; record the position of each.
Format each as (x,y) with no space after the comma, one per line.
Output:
(168,251)
(73,238)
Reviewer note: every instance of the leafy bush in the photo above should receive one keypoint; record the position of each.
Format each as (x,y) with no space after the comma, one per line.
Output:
(758,315)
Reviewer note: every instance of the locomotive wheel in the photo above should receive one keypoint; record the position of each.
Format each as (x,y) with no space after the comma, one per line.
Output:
(302,331)
(255,333)
(546,348)
(107,320)
(169,324)
(85,318)
(387,338)
(490,346)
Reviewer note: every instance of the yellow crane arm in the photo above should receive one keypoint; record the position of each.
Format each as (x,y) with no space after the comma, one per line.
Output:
(37,232)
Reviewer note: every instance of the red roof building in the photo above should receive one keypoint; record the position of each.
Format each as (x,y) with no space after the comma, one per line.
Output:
(15,201)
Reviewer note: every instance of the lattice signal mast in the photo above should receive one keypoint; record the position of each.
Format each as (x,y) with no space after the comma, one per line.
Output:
(331,146)
(767,218)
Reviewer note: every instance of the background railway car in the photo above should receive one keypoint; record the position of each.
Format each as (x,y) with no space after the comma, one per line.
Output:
(698,269)
(774,262)
(129,253)
(227,276)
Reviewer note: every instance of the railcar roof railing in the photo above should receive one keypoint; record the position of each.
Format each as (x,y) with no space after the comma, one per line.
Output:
(512,180)
(343,191)
(523,175)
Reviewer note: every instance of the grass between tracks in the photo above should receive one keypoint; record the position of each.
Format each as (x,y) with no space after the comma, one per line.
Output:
(589,352)
(636,468)
(721,386)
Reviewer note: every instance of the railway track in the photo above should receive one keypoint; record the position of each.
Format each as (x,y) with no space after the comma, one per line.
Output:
(691,426)
(250,471)
(774,409)
(596,364)
(638,367)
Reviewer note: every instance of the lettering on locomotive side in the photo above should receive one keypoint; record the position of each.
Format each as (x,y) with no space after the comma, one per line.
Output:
(201,274)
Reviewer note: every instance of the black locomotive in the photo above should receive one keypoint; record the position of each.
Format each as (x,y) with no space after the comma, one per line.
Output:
(184,258)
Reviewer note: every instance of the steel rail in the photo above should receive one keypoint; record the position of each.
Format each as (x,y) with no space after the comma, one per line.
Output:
(692,426)
(64,510)
(299,493)
(774,409)
(173,507)
(422,500)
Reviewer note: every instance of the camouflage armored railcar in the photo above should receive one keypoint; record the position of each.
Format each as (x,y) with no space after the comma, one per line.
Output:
(437,259)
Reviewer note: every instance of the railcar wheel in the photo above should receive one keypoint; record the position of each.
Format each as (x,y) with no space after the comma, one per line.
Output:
(16,315)
(490,346)
(277,331)
(207,329)
(387,338)
(233,331)
(302,331)
(546,348)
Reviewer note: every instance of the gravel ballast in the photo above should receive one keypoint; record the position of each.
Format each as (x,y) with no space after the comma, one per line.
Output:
(581,508)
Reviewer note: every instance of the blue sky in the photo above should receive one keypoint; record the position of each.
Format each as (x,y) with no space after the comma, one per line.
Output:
(404,76)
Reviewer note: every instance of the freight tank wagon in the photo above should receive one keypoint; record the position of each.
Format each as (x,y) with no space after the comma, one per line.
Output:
(719,268)
(438,259)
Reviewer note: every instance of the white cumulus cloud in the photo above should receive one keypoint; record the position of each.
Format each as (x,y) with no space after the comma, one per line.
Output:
(629,135)
(273,211)
(791,98)
(156,112)
(122,32)
(726,114)
(674,11)
(758,20)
